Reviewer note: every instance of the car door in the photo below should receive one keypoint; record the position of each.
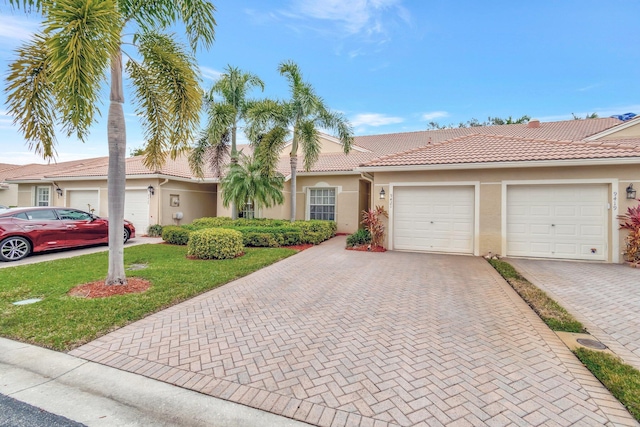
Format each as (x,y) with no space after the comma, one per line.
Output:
(44,229)
(82,228)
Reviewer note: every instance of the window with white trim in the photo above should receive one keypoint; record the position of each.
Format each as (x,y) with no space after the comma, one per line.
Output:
(247,211)
(43,196)
(322,203)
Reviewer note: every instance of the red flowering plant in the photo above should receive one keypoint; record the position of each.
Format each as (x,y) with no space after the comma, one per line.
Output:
(631,221)
(372,221)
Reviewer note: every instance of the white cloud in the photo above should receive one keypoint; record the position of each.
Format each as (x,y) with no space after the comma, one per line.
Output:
(210,73)
(14,29)
(374,119)
(351,17)
(435,115)
(589,87)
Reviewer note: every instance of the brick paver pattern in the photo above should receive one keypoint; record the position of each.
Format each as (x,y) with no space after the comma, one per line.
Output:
(341,338)
(604,297)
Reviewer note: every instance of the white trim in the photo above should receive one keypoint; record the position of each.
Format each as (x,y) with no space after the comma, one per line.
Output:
(104,177)
(321,186)
(503,165)
(35,194)
(476,205)
(613,200)
(615,129)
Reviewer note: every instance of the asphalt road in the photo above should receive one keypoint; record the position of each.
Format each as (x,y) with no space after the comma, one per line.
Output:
(14,413)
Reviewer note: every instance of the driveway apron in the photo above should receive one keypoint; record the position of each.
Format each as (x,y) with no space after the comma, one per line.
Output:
(342,338)
(604,297)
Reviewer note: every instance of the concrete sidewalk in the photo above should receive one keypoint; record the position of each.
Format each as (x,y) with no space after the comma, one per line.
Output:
(97,395)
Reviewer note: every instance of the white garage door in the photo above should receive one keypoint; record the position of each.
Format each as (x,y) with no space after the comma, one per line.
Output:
(136,209)
(438,219)
(557,221)
(85,200)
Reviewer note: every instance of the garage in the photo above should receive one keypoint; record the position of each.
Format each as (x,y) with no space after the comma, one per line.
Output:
(85,200)
(557,221)
(434,219)
(136,209)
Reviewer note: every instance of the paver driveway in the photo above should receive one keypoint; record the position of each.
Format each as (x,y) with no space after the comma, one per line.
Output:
(604,297)
(342,338)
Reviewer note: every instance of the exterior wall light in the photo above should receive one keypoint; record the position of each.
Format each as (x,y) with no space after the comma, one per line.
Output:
(151,190)
(631,192)
(59,191)
(382,194)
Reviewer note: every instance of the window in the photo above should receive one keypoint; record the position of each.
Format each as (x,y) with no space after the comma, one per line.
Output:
(42,196)
(40,215)
(74,214)
(247,211)
(322,203)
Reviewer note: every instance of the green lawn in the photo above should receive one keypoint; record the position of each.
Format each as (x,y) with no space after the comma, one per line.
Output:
(62,322)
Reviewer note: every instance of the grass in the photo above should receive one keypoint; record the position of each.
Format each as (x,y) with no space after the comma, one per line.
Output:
(62,322)
(623,381)
(552,313)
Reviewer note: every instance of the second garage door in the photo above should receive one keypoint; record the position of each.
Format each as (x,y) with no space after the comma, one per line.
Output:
(136,209)
(438,219)
(85,200)
(557,221)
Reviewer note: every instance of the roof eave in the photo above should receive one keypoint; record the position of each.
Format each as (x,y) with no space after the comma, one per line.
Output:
(503,165)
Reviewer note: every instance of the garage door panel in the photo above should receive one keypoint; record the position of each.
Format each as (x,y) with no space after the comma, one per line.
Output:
(136,209)
(436,219)
(85,200)
(557,221)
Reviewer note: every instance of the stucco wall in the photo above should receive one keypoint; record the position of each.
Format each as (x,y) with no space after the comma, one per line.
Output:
(9,196)
(195,201)
(490,183)
(630,132)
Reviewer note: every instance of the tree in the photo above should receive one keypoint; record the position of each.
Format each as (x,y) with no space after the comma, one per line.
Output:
(247,183)
(223,118)
(491,121)
(304,113)
(586,117)
(58,76)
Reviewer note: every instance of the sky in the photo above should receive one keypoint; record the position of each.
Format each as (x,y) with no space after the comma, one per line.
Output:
(395,65)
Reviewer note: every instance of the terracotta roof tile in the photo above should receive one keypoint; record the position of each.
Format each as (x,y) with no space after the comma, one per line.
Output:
(479,148)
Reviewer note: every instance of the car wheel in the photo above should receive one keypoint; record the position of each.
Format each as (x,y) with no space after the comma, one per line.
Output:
(126,235)
(14,248)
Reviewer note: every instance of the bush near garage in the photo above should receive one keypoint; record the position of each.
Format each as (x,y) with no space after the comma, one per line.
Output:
(270,232)
(154,230)
(359,238)
(175,235)
(215,243)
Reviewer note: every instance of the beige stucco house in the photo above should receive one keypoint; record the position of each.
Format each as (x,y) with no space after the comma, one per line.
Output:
(549,190)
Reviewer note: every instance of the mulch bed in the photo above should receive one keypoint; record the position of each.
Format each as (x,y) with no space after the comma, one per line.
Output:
(299,247)
(98,289)
(365,248)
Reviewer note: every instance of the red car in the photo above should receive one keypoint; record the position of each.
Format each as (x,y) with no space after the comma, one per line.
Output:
(27,230)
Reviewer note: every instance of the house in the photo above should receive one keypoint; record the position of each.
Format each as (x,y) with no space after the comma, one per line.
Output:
(8,192)
(542,189)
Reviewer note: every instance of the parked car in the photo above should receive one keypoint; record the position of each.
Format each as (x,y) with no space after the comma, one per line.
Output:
(28,230)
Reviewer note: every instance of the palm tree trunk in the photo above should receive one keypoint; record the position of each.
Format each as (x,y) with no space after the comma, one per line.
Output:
(294,166)
(234,160)
(116,178)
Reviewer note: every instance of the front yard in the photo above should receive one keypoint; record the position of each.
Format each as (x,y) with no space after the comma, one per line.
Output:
(63,322)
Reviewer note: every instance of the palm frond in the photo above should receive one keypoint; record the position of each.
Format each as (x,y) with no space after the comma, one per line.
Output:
(267,150)
(264,115)
(309,137)
(340,125)
(245,182)
(31,98)
(176,79)
(81,37)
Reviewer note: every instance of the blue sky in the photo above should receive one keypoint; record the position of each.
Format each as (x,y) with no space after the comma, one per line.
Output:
(393,65)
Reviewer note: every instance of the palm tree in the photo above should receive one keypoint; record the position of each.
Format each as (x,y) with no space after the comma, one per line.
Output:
(305,113)
(58,76)
(224,116)
(247,183)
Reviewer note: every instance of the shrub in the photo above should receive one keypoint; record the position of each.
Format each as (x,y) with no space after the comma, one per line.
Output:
(372,222)
(270,236)
(215,243)
(154,230)
(360,237)
(255,239)
(631,221)
(175,235)
(316,231)
(211,222)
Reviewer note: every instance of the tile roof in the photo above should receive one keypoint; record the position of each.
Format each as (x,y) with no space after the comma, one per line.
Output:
(487,148)
(574,130)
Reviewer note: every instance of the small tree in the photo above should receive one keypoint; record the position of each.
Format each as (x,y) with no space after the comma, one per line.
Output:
(372,221)
(631,222)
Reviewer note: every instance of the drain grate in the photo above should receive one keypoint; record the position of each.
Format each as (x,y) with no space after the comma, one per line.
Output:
(591,343)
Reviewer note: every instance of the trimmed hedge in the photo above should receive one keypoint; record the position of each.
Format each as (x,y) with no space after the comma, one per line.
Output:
(215,243)
(261,232)
(176,235)
(360,237)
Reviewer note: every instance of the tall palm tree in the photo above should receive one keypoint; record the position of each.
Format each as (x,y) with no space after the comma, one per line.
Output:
(58,76)
(224,117)
(247,182)
(305,113)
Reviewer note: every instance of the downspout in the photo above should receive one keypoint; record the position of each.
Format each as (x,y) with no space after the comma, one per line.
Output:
(160,200)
